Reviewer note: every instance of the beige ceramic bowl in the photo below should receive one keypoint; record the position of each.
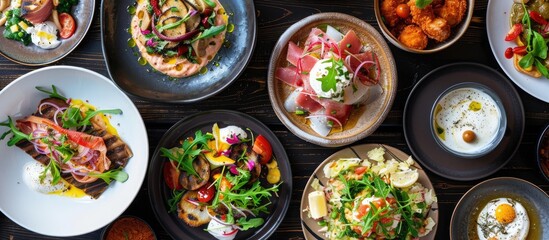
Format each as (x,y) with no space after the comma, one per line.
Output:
(367,118)
(310,227)
(433,46)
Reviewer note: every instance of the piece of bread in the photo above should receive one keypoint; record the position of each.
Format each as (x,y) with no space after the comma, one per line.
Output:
(192,214)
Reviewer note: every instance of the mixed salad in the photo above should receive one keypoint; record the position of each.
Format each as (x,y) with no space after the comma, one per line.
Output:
(374,198)
(218,178)
(331,74)
(74,142)
(530,31)
(38,21)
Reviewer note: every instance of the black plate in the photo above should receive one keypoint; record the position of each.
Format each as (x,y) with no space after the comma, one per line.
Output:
(33,55)
(543,163)
(417,122)
(159,193)
(535,200)
(143,82)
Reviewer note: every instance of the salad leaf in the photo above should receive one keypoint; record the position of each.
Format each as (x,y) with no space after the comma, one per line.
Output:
(527,60)
(17,135)
(72,117)
(186,157)
(423,3)
(210,3)
(53,167)
(108,176)
(210,32)
(53,93)
(246,224)
(65,6)
(329,80)
(174,200)
(541,68)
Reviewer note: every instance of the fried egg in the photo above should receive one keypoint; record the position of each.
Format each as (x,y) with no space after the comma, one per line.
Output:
(503,219)
(466,110)
(44,35)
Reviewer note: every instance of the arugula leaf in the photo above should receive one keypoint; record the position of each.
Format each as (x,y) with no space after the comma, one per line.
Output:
(240,179)
(210,3)
(53,167)
(72,117)
(185,155)
(423,3)
(175,199)
(329,80)
(53,93)
(210,32)
(116,174)
(253,196)
(17,135)
(246,224)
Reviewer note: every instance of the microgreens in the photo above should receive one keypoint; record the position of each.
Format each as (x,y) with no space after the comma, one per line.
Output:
(536,47)
(116,174)
(53,93)
(17,135)
(210,32)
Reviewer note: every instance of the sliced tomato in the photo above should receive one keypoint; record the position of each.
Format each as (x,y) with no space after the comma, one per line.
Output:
(538,18)
(514,32)
(263,148)
(520,50)
(206,193)
(360,170)
(68,25)
(171,176)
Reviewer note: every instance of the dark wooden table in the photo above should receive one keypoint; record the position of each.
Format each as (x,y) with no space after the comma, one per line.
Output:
(249,95)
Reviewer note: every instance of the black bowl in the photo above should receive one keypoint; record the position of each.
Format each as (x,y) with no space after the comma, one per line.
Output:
(159,193)
(543,162)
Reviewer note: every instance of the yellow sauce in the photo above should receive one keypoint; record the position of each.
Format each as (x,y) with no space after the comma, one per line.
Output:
(84,106)
(70,191)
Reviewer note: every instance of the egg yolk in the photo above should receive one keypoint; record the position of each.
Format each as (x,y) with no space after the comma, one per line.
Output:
(505,213)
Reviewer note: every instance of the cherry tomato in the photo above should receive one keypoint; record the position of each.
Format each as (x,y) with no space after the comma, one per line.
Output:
(68,26)
(360,170)
(171,176)
(509,53)
(521,50)
(206,193)
(514,32)
(263,148)
(537,18)
(469,136)
(362,210)
(403,11)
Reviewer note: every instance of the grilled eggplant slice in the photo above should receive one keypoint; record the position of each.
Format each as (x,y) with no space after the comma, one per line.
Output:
(192,182)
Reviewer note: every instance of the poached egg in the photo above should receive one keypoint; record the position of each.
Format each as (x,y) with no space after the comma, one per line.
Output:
(44,35)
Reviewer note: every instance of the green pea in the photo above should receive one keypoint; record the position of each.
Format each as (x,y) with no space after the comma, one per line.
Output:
(20,34)
(333,215)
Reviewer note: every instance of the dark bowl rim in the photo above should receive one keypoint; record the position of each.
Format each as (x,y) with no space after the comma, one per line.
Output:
(460,202)
(544,134)
(454,38)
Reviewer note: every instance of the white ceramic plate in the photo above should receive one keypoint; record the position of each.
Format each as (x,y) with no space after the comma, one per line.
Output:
(497,25)
(55,215)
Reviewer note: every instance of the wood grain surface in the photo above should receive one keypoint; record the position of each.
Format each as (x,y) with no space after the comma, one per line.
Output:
(249,95)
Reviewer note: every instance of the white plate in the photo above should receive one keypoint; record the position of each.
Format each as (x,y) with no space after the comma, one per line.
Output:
(54,215)
(497,25)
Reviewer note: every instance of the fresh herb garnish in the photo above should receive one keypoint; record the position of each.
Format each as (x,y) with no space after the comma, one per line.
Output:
(246,224)
(189,152)
(53,93)
(65,6)
(53,168)
(17,135)
(536,47)
(329,80)
(72,117)
(210,32)
(116,174)
(175,199)
(423,3)
(210,3)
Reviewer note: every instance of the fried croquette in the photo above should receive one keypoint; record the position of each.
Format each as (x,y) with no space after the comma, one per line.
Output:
(452,11)
(413,37)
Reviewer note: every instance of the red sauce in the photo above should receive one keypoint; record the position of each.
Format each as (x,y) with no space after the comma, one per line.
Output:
(129,228)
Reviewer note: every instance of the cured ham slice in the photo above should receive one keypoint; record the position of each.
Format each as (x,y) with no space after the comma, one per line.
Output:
(295,57)
(307,102)
(350,44)
(289,75)
(337,110)
(368,73)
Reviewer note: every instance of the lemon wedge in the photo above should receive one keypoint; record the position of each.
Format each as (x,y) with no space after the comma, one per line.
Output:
(404,179)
